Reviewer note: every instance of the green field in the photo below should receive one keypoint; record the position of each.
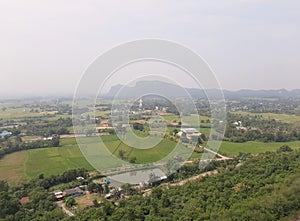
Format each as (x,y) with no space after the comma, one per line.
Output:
(17,113)
(20,113)
(49,161)
(191,120)
(143,155)
(288,118)
(29,164)
(232,149)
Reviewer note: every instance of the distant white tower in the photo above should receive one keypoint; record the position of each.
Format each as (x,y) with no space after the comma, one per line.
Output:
(141,104)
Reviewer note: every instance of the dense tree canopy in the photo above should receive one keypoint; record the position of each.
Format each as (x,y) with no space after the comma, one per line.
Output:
(265,187)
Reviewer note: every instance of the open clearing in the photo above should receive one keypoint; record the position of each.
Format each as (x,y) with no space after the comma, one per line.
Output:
(193,120)
(50,161)
(55,160)
(12,166)
(143,155)
(232,149)
(288,118)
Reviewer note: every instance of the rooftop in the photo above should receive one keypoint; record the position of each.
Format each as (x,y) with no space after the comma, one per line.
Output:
(189,130)
(24,200)
(5,133)
(73,191)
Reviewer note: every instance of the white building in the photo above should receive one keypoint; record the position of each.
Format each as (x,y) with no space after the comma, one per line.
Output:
(189,132)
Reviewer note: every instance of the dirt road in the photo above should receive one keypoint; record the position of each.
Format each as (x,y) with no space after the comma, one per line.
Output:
(182,182)
(65,210)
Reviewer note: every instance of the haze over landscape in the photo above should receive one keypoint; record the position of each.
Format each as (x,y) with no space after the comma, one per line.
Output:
(149,110)
(46,46)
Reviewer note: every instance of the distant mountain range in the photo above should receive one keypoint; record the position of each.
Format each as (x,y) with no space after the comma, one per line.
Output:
(174,91)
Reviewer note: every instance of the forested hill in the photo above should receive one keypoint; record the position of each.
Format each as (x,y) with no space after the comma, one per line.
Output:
(262,188)
(175,91)
(266,188)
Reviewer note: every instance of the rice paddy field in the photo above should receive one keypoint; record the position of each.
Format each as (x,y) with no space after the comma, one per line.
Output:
(49,161)
(29,164)
(233,149)
(55,160)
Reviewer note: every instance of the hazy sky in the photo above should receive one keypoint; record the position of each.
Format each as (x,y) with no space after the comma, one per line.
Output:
(45,46)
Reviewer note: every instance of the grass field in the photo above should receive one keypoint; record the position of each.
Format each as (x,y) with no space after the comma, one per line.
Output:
(12,166)
(288,118)
(191,120)
(206,131)
(50,161)
(17,113)
(153,154)
(232,149)
(29,164)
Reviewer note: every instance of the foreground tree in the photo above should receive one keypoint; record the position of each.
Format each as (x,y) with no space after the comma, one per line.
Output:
(285,148)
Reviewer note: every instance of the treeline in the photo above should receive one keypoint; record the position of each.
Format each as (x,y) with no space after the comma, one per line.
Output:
(277,106)
(65,177)
(16,144)
(257,128)
(195,168)
(263,188)
(47,128)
